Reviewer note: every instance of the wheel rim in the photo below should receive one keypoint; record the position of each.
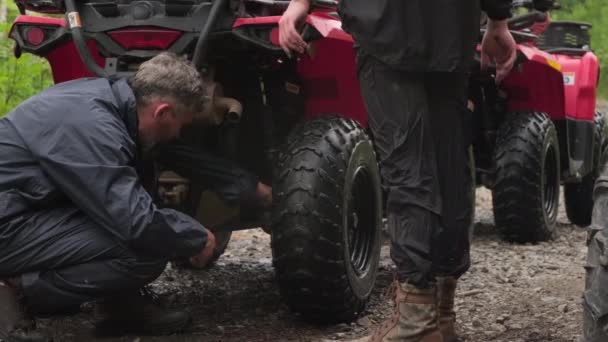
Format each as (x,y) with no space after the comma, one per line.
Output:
(361,221)
(550,184)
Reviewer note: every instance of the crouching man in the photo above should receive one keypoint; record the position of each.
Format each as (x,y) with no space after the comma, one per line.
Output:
(76,223)
(595,298)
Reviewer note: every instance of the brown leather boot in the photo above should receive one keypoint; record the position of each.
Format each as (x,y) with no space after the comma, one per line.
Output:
(15,325)
(446,289)
(415,317)
(137,313)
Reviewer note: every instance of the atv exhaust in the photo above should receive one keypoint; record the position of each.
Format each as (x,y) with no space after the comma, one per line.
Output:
(220,110)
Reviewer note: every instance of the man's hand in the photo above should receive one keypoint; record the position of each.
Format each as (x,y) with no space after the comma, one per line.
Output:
(264,195)
(498,46)
(289,38)
(202,259)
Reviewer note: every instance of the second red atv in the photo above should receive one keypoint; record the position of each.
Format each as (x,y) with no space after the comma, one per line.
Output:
(539,128)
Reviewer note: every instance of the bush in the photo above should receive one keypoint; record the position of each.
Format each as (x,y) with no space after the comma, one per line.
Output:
(19,78)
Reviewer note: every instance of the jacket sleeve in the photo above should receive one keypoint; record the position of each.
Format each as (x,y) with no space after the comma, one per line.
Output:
(88,160)
(543,5)
(497,9)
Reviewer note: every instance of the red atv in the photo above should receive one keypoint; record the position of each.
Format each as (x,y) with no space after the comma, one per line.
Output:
(300,124)
(297,124)
(539,129)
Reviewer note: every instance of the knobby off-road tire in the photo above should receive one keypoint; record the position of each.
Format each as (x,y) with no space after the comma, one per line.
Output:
(526,191)
(327,219)
(578,197)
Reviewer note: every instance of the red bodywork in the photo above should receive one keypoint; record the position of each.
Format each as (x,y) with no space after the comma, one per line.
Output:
(536,84)
(328,73)
(561,86)
(581,76)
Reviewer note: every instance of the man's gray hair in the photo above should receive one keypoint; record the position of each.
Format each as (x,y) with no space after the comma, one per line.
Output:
(169,77)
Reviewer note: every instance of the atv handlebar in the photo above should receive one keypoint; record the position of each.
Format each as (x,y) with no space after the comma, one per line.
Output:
(526,20)
(541,5)
(316,3)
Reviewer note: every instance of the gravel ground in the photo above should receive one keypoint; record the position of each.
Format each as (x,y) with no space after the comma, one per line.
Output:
(511,293)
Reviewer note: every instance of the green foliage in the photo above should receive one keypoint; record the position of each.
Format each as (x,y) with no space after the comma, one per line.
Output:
(596,13)
(19,78)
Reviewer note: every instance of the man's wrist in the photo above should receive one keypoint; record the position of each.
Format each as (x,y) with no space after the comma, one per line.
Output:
(496,25)
(305,3)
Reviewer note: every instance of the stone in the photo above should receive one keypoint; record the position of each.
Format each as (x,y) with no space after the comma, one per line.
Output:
(364,322)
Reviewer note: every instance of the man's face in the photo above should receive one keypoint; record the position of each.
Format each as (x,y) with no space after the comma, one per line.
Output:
(161,122)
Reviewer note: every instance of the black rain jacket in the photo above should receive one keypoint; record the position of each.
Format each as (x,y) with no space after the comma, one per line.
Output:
(75,144)
(420,35)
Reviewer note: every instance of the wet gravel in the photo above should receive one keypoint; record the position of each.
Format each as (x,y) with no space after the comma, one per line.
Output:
(511,293)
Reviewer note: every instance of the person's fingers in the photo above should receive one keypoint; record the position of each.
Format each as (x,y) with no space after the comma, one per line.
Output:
(202,259)
(283,37)
(485,60)
(504,68)
(501,72)
(288,37)
(295,40)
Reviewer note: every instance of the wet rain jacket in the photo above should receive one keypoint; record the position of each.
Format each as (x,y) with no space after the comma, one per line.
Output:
(74,145)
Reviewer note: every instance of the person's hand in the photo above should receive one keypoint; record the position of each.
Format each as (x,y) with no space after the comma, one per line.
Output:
(498,46)
(264,195)
(202,259)
(289,38)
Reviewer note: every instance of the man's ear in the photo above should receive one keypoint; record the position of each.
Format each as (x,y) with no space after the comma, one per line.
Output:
(162,109)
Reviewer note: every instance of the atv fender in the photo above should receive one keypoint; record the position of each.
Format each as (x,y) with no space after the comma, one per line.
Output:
(328,70)
(536,84)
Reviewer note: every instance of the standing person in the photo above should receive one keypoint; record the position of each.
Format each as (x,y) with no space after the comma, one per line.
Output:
(413,58)
(76,223)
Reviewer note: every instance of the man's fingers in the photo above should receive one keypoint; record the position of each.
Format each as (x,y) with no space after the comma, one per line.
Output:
(504,68)
(501,73)
(287,52)
(290,40)
(202,259)
(296,41)
(485,60)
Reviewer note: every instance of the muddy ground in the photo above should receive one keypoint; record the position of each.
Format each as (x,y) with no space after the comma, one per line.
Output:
(512,293)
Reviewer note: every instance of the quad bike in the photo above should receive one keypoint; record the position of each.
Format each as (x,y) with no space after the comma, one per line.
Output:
(539,128)
(298,124)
